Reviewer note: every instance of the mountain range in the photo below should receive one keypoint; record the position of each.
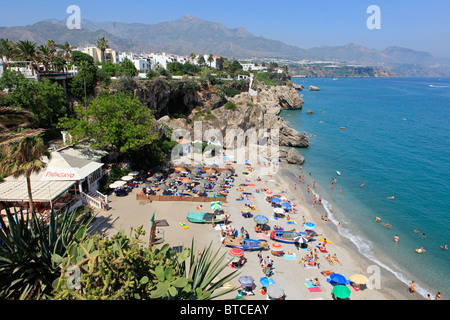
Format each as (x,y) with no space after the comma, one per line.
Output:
(190,34)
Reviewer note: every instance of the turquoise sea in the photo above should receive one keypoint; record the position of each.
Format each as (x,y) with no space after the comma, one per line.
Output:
(396,142)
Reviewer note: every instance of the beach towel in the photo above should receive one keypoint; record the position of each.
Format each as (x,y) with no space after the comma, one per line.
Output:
(312,288)
(289,257)
(291,222)
(183,225)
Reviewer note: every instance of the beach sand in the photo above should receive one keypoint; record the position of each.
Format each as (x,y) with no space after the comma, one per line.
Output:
(127,212)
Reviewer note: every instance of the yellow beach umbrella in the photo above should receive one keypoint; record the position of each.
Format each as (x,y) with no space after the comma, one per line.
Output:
(246,209)
(358,278)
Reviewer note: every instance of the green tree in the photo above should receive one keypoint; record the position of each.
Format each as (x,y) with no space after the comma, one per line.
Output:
(86,77)
(127,68)
(117,122)
(7,50)
(201,61)
(44,99)
(102,45)
(24,158)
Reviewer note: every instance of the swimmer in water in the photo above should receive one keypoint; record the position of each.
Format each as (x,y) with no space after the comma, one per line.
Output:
(396,238)
(387,225)
(377,219)
(444,247)
(391,198)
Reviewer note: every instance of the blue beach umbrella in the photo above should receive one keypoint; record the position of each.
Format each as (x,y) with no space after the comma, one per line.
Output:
(259,219)
(286,204)
(265,281)
(276,200)
(246,280)
(337,278)
(309,225)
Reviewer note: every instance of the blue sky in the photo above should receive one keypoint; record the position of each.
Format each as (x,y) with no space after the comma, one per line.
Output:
(420,25)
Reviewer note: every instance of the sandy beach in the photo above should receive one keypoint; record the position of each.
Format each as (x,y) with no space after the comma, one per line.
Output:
(291,275)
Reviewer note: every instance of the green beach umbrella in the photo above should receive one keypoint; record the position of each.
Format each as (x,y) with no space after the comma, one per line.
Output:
(341,292)
(216,205)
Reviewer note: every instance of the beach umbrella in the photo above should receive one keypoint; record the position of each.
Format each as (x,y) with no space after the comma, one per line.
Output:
(309,225)
(247,201)
(275,291)
(278,210)
(164,186)
(358,278)
(269,193)
(246,209)
(246,281)
(187,180)
(134,173)
(338,279)
(341,292)
(259,219)
(126,178)
(179,169)
(265,281)
(182,187)
(286,204)
(301,240)
(276,247)
(169,180)
(276,200)
(216,205)
(236,252)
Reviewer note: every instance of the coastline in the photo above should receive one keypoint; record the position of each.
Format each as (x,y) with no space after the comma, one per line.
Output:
(391,287)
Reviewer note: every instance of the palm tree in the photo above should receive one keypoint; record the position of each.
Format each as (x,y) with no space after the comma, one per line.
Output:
(12,119)
(193,56)
(24,158)
(210,59)
(102,45)
(45,55)
(66,50)
(7,50)
(26,51)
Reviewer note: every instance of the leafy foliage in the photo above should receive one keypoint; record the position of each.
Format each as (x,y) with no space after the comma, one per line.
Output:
(26,267)
(120,268)
(44,99)
(117,122)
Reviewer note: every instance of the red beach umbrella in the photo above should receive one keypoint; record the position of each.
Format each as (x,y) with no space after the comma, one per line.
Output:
(236,252)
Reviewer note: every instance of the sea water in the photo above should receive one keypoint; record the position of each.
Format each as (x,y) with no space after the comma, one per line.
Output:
(388,137)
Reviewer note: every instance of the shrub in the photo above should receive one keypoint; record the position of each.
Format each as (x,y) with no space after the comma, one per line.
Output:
(230,105)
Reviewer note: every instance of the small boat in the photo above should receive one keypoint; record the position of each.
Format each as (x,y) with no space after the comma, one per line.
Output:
(339,173)
(286,236)
(205,217)
(246,244)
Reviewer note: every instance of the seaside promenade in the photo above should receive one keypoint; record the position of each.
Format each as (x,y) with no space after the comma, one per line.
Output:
(290,274)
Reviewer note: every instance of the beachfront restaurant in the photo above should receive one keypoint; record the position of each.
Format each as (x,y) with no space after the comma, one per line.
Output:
(67,182)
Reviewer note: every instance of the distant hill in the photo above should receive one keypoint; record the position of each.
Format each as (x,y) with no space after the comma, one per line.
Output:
(189,34)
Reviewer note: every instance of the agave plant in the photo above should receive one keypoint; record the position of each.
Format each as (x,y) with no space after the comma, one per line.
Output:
(26,268)
(204,269)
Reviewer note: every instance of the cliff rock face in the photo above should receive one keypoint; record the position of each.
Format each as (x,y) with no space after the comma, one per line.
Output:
(294,157)
(260,113)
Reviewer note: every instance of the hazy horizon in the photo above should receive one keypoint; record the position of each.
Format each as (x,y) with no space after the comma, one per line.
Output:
(408,24)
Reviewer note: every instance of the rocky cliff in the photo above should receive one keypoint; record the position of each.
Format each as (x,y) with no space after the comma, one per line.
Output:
(207,105)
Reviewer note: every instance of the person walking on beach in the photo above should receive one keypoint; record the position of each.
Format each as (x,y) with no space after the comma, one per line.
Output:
(308,188)
(412,288)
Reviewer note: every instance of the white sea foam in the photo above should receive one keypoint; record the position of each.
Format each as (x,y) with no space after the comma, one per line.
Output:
(365,246)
